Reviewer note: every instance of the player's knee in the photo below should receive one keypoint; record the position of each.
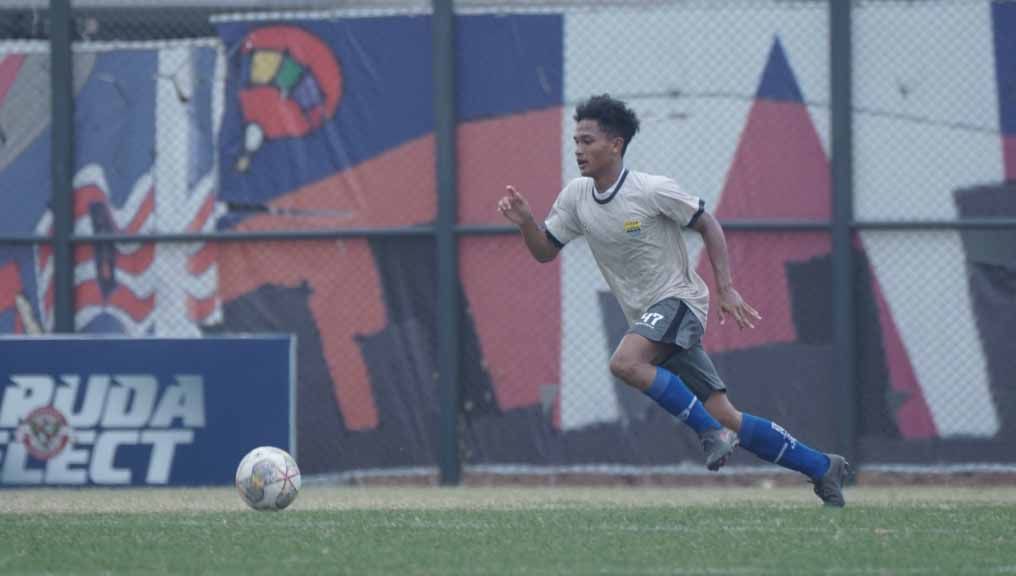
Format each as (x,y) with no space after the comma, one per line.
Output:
(622,367)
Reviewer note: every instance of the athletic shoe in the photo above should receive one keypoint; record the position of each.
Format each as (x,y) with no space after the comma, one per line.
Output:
(718,444)
(830,486)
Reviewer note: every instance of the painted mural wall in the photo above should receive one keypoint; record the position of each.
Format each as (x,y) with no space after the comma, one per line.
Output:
(328,124)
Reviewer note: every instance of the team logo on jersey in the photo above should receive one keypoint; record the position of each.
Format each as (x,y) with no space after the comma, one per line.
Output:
(632,227)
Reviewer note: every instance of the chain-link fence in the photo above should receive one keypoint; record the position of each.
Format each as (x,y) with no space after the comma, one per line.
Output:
(24,153)
(244,169)
(931,91)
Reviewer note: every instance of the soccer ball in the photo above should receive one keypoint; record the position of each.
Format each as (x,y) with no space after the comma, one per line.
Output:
(268,479)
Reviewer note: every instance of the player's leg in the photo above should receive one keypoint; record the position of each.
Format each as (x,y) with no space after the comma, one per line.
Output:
(771,442)
(698,373)
(645,345)
(634,362)
(768,440)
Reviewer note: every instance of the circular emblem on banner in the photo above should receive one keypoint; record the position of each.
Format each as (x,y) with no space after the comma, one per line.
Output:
(45,432)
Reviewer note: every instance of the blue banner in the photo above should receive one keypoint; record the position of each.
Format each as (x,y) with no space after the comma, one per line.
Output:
(152,411)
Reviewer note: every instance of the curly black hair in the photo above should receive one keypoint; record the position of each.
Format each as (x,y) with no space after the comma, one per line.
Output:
(613,115)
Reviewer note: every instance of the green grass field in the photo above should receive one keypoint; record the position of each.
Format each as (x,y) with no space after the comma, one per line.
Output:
(543,531)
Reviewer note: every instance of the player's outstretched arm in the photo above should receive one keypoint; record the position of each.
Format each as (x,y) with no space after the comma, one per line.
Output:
(730,300)
(516,210)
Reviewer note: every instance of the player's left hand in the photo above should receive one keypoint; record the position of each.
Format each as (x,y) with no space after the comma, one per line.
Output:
(731,303)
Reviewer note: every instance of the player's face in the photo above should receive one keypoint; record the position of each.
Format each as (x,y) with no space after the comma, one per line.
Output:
(595,151)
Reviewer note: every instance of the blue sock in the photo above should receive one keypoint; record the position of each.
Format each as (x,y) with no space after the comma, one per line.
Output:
(772,443)
(669,392)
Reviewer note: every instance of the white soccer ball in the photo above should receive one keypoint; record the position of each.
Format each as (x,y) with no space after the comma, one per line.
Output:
(268,479)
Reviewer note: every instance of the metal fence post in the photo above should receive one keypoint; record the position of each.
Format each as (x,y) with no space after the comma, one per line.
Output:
(841,167)
(62,163)
(449,310)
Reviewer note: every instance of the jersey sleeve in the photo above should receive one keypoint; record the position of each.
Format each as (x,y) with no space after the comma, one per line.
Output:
(674,203)
(561,225)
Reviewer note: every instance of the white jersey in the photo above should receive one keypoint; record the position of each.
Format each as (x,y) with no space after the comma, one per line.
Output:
(634,232)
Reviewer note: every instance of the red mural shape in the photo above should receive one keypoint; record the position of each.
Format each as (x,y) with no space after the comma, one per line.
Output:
(372,193)
(514,299)
(780,170)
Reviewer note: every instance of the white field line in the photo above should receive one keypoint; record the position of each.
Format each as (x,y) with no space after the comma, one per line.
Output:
(296,523)
(131,500)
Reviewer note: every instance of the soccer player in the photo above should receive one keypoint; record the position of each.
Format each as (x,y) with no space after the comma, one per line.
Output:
(632,222)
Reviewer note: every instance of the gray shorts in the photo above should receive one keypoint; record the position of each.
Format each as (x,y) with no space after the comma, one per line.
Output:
(671,322)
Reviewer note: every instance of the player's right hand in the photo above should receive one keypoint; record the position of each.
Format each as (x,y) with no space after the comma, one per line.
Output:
(514,207)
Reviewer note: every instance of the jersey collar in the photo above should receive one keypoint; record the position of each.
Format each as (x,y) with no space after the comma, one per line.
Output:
(611,192)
